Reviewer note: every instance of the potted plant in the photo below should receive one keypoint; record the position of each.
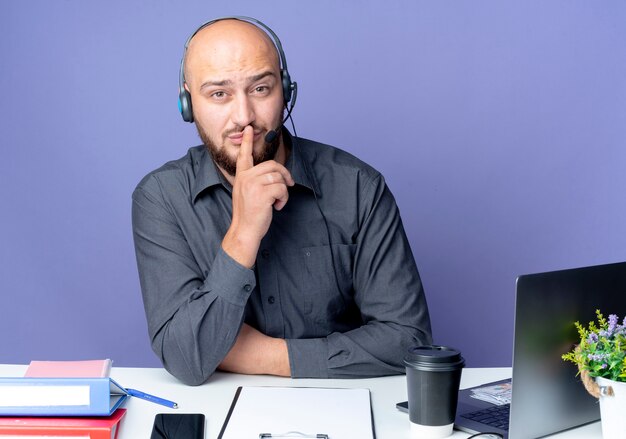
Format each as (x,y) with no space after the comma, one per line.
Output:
(601,360)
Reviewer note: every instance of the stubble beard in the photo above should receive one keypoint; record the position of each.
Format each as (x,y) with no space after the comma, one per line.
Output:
(229,164)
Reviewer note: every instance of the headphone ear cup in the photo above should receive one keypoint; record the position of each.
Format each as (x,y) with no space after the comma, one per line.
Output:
(184,105)
(287,86)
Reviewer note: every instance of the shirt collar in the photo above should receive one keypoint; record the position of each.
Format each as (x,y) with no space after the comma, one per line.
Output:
(298,164)
(207,173)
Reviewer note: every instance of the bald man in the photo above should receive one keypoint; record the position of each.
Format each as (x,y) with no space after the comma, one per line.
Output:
(285,257)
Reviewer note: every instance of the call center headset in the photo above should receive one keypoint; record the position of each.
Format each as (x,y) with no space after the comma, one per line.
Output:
(290,89)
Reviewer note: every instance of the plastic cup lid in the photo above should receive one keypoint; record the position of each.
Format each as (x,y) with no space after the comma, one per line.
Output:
(433,357)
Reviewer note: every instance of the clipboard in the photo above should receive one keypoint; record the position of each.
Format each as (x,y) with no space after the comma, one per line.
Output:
(299,412)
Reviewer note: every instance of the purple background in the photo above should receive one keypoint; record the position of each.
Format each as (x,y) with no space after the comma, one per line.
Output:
(500,127)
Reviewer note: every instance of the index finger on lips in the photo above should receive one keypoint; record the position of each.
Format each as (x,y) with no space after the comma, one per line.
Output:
(244,159)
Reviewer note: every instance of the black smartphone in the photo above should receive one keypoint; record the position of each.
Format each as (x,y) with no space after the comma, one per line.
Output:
(178,426)
(403,406)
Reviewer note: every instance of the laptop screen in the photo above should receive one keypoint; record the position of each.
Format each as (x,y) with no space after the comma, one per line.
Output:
(547,394)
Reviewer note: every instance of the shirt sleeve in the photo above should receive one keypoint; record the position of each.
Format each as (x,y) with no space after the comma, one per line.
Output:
(389,294)
(193,316)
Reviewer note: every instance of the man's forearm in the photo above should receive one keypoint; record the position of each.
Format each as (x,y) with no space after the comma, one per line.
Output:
(374,349)
(258,354)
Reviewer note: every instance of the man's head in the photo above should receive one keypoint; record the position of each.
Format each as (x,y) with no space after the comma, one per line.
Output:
(232,72)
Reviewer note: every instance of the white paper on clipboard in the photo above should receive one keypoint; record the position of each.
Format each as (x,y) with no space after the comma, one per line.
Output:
(339,413)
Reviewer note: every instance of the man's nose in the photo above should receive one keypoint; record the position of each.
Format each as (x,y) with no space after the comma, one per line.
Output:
(243,111)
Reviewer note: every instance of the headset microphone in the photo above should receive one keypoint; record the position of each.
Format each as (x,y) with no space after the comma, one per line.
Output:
(271,136)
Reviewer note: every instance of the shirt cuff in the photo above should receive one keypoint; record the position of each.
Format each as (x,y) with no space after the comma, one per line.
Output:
(308,358)
(230,280)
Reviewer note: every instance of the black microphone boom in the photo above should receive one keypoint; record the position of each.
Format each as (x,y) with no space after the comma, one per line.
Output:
(271,135)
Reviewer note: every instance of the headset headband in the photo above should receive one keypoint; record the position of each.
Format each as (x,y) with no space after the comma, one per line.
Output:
(184,97)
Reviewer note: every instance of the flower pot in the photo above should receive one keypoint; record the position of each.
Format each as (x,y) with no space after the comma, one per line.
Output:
(612,408)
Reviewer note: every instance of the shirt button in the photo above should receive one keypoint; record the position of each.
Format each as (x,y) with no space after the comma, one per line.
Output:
(271,300)
(265,253)
(247,287)
(308,253)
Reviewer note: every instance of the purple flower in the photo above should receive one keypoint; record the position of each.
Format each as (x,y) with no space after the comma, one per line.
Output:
(604,366)
(593,338)
(621,329)
(596,357)
(612,323)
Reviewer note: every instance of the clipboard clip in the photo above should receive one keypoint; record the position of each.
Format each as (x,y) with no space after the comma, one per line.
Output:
(292,434)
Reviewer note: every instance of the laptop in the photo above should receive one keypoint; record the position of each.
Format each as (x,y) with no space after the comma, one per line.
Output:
(546,394)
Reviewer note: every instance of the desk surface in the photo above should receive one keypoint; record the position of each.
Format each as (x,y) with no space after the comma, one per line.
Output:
(213,398)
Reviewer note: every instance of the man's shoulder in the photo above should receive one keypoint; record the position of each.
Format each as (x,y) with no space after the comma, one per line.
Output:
(173,170)
(324,156)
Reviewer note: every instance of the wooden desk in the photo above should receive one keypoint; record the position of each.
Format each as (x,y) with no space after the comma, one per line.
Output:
(214,397)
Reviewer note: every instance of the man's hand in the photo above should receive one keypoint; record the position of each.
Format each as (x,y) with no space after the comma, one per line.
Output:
(256,191)
(255,353)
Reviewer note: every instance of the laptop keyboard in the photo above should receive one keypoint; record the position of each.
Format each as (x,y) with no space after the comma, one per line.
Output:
(496,416)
